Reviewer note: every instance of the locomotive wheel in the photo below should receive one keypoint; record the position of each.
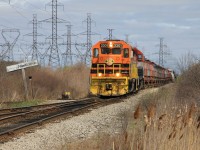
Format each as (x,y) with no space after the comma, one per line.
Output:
(131,85)
(141,84)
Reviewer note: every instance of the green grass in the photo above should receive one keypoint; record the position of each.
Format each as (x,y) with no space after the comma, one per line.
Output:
(24,103)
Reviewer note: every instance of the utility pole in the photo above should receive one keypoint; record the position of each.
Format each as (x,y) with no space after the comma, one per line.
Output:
(54,58)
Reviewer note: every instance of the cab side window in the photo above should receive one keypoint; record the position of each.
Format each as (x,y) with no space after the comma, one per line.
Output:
(126,53)
(96,52)
(139,57)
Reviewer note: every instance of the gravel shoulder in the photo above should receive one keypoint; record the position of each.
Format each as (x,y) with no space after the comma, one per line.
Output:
(54,135)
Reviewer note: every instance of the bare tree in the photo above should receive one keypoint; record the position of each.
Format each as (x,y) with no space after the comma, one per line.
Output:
(186,61)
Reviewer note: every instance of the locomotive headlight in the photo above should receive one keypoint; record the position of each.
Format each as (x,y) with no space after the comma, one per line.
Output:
(99,74)
(110,44)
(118,74)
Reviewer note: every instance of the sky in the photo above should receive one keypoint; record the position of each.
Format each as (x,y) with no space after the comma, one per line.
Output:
(144,21)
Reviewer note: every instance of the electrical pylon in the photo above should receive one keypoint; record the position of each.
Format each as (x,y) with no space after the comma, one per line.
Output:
(54,57)
(87,54)
(34,34)
(110,34)
(67,56)
(7,53)
(161,52)
(127,38)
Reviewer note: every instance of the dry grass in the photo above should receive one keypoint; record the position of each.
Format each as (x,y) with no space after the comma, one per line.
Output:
(164,126)
(137,112)
(189,85)
(166,120)
(46,83)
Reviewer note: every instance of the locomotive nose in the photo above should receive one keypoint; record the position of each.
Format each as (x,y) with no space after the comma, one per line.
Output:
(108,86)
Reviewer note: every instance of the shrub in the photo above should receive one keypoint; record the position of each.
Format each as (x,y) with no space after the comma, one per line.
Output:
(46,83)
(188,89)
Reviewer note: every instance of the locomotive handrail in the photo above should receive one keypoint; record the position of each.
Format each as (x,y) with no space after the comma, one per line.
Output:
(114,68)
(104,68)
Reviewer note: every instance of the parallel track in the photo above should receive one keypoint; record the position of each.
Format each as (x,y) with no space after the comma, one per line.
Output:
(13,122)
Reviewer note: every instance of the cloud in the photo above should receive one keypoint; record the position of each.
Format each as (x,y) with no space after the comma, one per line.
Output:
(192,19)
(171,25)
(144,20)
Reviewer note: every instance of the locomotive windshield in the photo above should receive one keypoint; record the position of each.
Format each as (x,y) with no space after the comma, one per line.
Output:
(105,50)
(116,51)
(113,51)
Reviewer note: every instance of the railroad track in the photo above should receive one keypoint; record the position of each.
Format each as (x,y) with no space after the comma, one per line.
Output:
(18,120)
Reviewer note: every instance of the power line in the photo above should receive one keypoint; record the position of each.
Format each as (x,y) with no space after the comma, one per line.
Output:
(37,7)
(18,12)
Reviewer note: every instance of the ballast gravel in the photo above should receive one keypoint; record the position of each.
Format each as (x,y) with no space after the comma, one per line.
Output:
(53,136)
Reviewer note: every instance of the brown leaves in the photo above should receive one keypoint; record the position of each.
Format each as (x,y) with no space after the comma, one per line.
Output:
(137,112)
(151,111)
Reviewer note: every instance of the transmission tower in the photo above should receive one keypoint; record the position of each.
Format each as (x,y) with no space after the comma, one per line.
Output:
(8,35)
(110,34)
(88,44)
(54,58)
(127,38)
(67,56)
(34,34)
(89,38)
(162,51)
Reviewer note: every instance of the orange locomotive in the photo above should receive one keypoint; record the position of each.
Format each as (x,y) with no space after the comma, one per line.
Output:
(118,68)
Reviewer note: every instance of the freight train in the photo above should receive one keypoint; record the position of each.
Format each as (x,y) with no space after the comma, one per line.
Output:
(117,69)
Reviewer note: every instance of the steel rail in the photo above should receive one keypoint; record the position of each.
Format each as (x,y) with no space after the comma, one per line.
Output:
(10,111)
(62,112)
(23,115)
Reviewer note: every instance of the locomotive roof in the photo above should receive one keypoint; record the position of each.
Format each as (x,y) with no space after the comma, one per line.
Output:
(114,40)
(137,51)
